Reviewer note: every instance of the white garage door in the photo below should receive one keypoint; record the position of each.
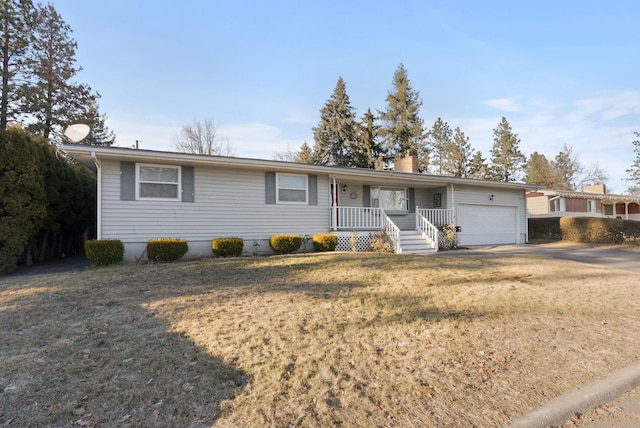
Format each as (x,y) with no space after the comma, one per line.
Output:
(486,224)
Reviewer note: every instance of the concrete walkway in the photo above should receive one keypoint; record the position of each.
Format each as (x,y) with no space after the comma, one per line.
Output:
(618,410)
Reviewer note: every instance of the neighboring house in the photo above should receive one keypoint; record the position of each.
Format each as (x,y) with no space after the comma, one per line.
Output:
(144,194)
(593,201)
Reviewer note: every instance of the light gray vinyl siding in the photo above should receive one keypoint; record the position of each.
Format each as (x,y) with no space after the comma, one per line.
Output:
(501,197)
(229,202)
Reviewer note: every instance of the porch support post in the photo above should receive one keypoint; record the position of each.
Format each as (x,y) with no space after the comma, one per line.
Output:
(626,210)
(334,205)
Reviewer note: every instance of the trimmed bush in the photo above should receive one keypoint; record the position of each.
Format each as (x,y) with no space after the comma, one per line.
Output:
(284,244)
(223,247)
(104,252)
(166,249)
(598,230)
(545,228)
(325,242)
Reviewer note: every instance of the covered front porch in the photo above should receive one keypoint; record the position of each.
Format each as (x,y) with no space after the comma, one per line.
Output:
(413,217)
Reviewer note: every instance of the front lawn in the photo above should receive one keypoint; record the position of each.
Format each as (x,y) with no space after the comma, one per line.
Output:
(309,340)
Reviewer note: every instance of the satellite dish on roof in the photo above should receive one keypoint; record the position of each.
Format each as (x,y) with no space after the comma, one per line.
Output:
(77,132)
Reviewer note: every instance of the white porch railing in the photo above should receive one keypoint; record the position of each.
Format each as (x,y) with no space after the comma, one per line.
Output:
(437,217)
(393,232)
(428,230)
(358,218)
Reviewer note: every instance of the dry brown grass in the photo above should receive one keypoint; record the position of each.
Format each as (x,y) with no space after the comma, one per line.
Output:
(312,340)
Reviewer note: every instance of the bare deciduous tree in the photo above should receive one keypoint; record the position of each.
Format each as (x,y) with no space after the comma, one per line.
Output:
(203,138)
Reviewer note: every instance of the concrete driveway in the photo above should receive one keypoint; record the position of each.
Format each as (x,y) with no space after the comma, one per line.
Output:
(617,257)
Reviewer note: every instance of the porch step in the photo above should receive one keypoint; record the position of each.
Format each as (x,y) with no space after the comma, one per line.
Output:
(412,242)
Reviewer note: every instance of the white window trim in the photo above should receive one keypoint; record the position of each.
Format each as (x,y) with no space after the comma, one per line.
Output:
(306,189)
(406,198)
(591,203)
(138,182)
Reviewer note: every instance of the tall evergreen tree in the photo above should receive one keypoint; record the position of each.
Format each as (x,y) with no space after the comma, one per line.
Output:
(99,135)
(16,27)
(457,160)
(52,98)
(507,160)
(478,167)
(633,172)
(539,171)
(440,141)
(335,134)
(304,154)
(367,149)
(403,130)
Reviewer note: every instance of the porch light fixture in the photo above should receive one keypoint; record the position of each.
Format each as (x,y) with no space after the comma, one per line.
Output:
(491,197)
(344,188)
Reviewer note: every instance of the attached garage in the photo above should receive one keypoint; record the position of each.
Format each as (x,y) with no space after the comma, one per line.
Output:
(487,224)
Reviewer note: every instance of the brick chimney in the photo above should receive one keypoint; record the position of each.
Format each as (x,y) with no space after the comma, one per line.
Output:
(406,163)
(595,188)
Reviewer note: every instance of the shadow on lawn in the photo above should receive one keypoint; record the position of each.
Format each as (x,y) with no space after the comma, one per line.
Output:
(84,355)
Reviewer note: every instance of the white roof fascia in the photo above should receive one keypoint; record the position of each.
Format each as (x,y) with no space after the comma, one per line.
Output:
(235,162)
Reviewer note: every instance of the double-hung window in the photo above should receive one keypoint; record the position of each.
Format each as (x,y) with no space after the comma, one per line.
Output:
(591,206)
(390,198)
(158,182)
(291,189)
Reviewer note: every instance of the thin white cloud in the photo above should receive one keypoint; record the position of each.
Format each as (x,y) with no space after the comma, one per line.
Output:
(504,104)
(609,106)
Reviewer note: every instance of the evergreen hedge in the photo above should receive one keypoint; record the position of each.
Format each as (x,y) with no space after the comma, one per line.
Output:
(600,230)
(223,247)
(325,242)
(166,249)
(284,244)
(104,252)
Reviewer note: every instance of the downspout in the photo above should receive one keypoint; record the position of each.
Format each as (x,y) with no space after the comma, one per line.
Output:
(526,220)
(98,196)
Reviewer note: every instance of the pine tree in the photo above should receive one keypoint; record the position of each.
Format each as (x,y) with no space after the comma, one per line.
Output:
(440,140)
(457,160)
(367,149)
(99,135)
(16,22)
(304,154)
(51,97)
(403,130)
(634,171)
(335,134)
(538,171)
(506,159)
(478,167)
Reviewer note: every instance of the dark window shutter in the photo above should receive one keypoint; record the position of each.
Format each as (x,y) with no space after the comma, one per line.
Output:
(412,200)
(270,187)
(366,196)
(313,189)
(188,184)
(128,181)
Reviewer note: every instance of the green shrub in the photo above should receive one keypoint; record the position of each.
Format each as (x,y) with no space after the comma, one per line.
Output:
(166,249)
(284,244)
(325,242)
(104,252)
(381,242)
(545,228)
(223,247)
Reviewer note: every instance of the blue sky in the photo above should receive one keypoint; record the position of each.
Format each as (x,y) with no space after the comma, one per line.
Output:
(559,71)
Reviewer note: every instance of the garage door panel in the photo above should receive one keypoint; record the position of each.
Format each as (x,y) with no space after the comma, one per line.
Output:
(487,224)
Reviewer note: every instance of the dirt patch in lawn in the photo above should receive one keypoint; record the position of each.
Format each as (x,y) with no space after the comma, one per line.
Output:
(311,340)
